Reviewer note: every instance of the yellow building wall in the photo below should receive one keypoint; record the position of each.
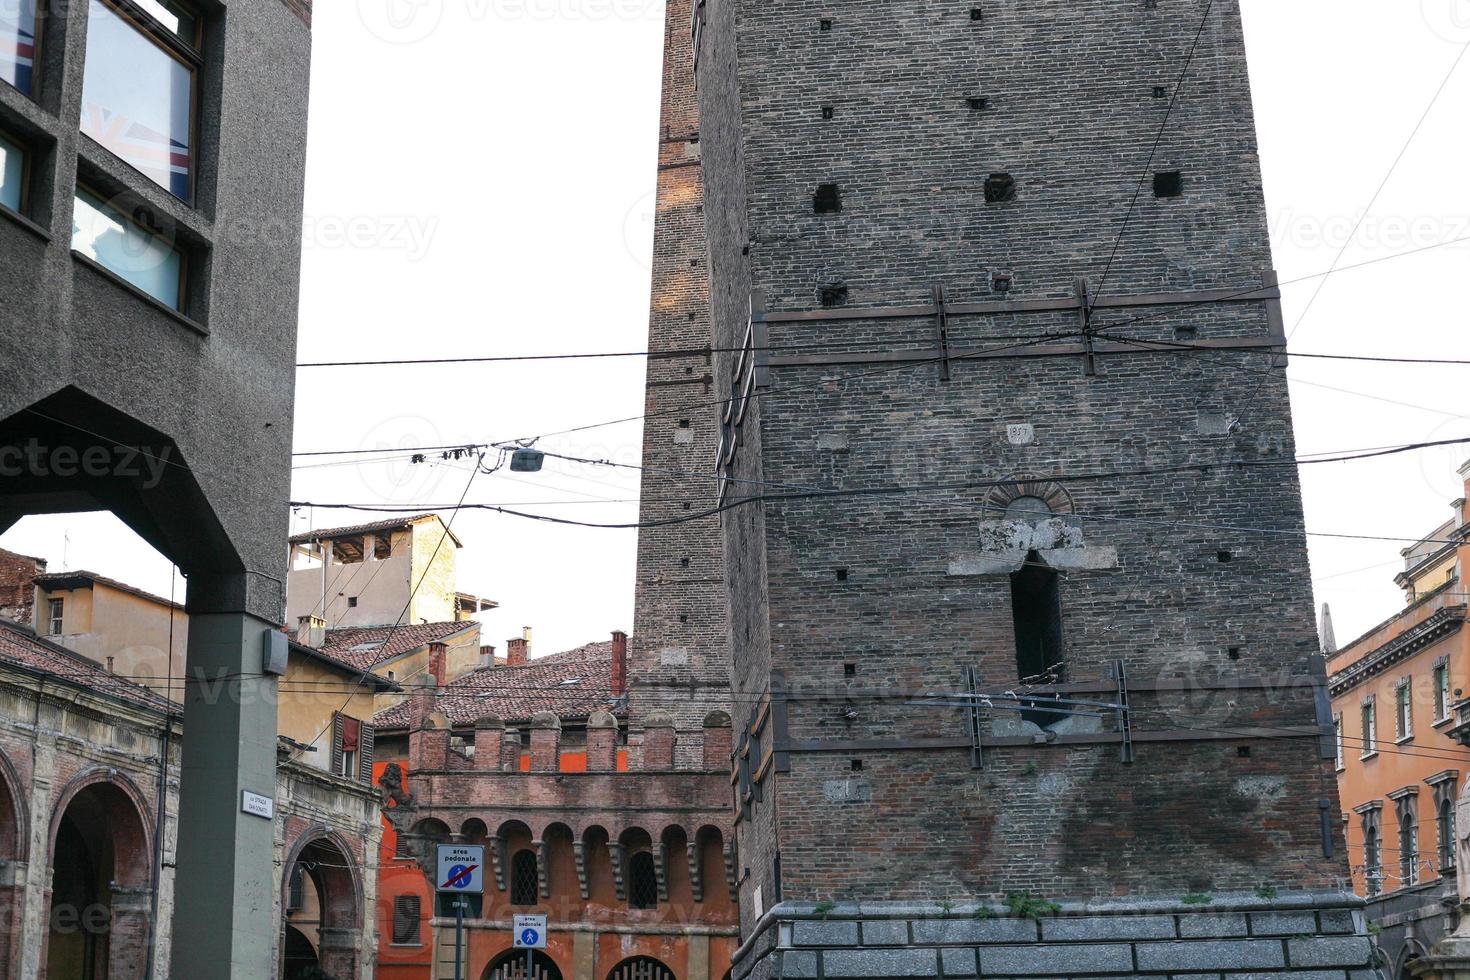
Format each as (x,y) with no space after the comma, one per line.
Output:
(311,692)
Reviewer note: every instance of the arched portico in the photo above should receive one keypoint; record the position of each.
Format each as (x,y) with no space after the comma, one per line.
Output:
(322,905)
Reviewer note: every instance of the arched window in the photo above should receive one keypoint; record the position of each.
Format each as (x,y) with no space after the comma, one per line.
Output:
(1036,611)
(525,888)
(643,881)
(1372,861)
(641,968)
(1408,847)
(1446,834)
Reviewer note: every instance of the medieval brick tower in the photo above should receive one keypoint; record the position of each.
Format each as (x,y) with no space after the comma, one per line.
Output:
(679,663)
(1020,627)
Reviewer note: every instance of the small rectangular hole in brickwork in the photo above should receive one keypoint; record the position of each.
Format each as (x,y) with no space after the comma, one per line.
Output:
(1185,333)
(842,575)
(1243,751)
(849,670)
(856,765)
(1160,92)
(1000,188)
(1233,653)
(683,562)
(977,14)
(1150,4)
(978,103)
(1224,557)
(686,505)
(834,294)
(1169,183)
(683,617)
(828,111)
(827,200)
(826,24)
(683,423)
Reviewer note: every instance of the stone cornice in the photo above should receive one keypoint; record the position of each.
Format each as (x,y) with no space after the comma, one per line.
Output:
(1436,627)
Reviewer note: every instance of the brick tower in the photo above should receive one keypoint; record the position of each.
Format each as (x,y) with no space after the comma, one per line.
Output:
(993,457)
(679,662)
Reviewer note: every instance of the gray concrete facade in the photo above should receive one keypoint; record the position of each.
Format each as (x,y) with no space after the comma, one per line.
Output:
(178,422)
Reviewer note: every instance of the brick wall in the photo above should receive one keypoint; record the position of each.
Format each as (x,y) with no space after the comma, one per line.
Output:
(679,662)
(17,591)
(865,595)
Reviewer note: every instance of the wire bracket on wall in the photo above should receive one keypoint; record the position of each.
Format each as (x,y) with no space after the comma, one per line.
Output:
(1084,325)
(972,719)
(941,331)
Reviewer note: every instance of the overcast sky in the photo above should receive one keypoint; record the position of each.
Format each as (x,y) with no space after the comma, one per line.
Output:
(480,182)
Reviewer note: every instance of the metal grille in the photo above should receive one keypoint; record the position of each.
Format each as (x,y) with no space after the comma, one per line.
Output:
(524,888)
(642,968)
(643,888)
(512,966)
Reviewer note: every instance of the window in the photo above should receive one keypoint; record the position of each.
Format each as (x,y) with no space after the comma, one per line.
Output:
(1445,834)
(1372,859)
(1403,710)
(295,894)
(12,173)
(406,920)
(18,43)
(352,602)
(1442,690)
(1408,842)
(1337,738)
(1036,610)
(352,748)
(1370,728)
(525,887)
(129,250)
(138,88)
(54,617)
(643,881)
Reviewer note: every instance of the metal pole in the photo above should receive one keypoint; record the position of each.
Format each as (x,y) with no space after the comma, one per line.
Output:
(458,937)
(529,964)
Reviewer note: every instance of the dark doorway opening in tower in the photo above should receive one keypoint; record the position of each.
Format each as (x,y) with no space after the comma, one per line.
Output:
(1036,611)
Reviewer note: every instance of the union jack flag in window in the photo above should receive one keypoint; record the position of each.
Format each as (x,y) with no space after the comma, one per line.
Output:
(18,42)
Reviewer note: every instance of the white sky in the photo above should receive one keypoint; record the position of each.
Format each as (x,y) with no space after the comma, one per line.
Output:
(480,182)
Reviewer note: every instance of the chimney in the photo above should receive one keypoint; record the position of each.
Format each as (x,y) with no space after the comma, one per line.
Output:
(311,631)
(517,652)
(423,696)
(510,751)
(438,653)
(619,663)
(428,746)
(487,657)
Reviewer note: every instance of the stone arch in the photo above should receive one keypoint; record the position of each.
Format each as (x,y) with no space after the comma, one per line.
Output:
(1411,951)
(101,862)
(559,875)
(709,841)
(474,831)
(640,868)
(1049,492)
(641,968)
(324,858)
(676,884)
(603,887)
(14,846)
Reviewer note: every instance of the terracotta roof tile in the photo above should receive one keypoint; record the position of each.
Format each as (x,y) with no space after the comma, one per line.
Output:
(19,646)
(572,684)
(363,647)
(342,532)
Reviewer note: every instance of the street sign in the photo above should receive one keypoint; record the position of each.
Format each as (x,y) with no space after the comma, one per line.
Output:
(257,805)
(530,931)
(461,869)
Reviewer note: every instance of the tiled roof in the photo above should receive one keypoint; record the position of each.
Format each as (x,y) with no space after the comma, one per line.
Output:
(572,685)
(19,646)
(362,675)
(387,525)
(52,581)
(363,647)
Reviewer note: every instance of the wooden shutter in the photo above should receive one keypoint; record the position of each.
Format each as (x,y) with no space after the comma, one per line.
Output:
(337,732)
(406,920)
(365,754)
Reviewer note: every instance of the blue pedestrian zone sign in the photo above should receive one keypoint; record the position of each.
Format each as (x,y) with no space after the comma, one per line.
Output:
(461,869)
(529,931)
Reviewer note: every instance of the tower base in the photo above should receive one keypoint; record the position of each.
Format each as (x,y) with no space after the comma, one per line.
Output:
(1321,936)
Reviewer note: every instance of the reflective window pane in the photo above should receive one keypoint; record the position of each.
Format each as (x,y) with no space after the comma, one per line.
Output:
(137,99)
(12,172)
(17,42)
(175,17)
(106,236)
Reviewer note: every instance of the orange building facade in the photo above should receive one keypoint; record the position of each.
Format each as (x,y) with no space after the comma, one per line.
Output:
(628,852)
(1402,721)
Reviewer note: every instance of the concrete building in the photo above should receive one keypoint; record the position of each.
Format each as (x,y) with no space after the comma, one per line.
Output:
(151,234)
(1402,724)
(627,850)
(988,441)
(392,571)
